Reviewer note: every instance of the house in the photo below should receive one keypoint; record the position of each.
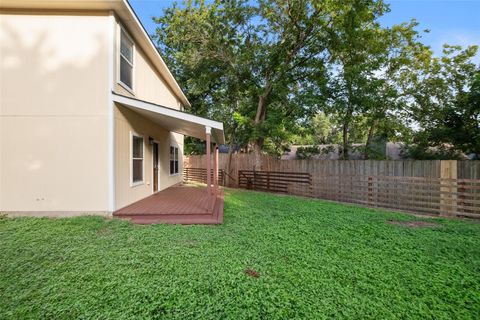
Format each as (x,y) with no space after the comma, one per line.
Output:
(91,118)
(392,151)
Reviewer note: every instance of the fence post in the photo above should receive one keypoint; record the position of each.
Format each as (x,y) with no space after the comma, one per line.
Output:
(370,191)
(268,180)
(461,196)
(448,187)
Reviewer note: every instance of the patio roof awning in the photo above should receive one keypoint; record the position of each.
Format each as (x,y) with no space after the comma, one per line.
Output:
(173,120)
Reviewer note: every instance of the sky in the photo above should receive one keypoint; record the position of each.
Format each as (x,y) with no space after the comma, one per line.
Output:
(456,22)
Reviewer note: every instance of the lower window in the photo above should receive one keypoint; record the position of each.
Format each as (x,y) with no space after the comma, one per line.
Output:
(173,160)
(137,159)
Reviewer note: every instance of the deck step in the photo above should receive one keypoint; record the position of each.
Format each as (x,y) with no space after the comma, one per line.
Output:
(218,208)
(167,215)
(171,219)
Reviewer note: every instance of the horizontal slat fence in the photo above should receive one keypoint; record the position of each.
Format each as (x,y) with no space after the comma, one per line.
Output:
(200,175)
(450,188)
(282,182)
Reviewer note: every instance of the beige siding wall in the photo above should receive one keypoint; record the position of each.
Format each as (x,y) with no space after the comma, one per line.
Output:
(126,123)
(53,112)
(148,84)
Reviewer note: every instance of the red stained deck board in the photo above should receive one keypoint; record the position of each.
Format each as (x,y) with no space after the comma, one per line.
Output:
(178,204)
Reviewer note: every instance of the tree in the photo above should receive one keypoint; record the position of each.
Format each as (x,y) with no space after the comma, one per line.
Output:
(444,97)
(260,62)
(462,122)
(325,129)
(267,68)
(365,65)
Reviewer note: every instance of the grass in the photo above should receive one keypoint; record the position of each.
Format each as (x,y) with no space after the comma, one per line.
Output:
(275,257)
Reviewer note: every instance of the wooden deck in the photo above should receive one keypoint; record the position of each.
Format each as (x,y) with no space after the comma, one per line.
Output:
(177,205)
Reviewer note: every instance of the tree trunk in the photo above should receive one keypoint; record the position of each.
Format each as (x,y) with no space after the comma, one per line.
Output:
(257,151)
(230,153)
(369,140)
(345,141)
(229,164)
(262,105)
(347,120)
(259,119)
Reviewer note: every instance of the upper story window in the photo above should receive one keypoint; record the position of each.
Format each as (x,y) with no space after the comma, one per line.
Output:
(126,60)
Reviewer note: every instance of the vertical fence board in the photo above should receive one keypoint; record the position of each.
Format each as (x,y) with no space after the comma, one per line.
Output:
(408,185)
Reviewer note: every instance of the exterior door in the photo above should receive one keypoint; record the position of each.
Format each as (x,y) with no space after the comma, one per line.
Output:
(155,167)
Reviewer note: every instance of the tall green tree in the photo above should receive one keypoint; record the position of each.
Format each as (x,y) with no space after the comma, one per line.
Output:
(257,66)
(444,103)
(365,64)
(266,68)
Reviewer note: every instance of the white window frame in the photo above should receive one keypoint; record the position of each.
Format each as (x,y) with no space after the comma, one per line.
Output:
(174,145)
(137,183)
(120,56)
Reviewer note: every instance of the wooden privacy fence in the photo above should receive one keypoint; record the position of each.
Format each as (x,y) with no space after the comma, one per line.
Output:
(200,175)
(450,188)
(413,194)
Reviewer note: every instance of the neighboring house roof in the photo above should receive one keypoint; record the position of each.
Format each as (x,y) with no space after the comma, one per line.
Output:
(172,119)
(129,19)
(329,152)
(392,152)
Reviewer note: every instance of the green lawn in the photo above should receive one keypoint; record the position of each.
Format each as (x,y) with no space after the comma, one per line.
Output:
(275,257)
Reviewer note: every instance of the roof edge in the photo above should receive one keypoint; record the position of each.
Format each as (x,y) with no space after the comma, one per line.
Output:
(216,126)
(163,66)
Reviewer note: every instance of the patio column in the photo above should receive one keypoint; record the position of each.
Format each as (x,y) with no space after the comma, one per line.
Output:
(215,170)
(208,132)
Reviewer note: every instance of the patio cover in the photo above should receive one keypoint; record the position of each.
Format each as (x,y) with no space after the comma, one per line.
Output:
(172,119)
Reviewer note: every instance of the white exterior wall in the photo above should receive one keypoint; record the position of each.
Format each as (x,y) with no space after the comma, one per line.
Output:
(64,146)
(53,112)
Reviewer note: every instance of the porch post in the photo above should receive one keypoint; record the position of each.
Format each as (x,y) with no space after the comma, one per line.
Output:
(215,169)
(207,157)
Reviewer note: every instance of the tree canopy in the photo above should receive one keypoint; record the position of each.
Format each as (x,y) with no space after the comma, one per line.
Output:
(271,69)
